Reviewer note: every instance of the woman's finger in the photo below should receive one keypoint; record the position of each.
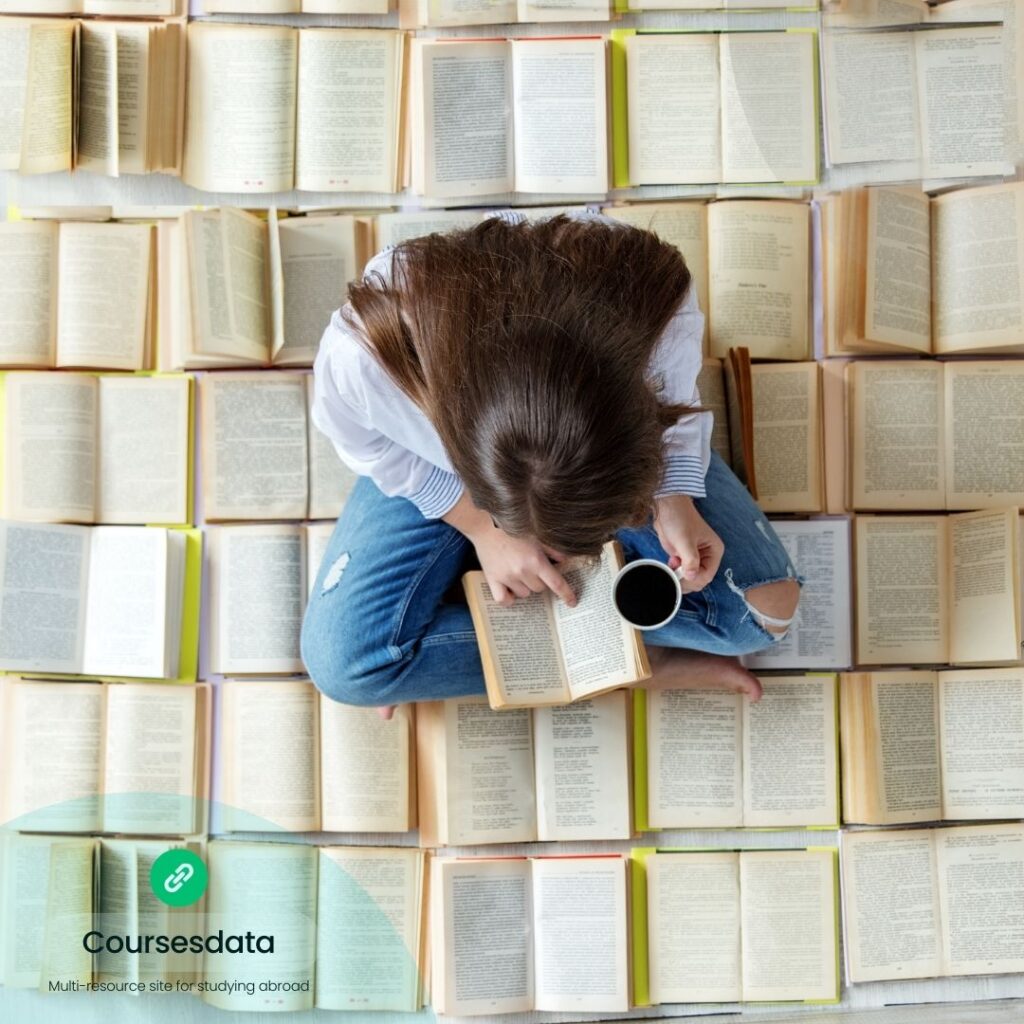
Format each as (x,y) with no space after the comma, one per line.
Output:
(535,583)
(502,595)
(559,584)
(518,588)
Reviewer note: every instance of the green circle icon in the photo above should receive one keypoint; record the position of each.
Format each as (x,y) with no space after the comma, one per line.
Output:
(178,878)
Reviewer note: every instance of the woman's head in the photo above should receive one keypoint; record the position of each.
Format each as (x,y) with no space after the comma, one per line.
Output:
(527,347)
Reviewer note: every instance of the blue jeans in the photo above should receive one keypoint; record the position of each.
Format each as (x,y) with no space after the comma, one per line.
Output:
(379,630)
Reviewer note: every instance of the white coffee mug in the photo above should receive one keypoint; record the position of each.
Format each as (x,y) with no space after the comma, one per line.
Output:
(647,593)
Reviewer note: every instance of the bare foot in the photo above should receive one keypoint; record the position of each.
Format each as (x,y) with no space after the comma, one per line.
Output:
(386,712)
(677,669)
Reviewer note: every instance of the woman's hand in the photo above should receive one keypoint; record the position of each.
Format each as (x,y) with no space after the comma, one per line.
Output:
(513,566)
(690,543)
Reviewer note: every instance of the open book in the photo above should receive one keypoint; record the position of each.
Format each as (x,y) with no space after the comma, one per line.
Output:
(938,589)
(821,635)
(958,917)
(738,926)
(710,759)
(272,108)
(700,107)
(56,889)
(348,926)
(518,115)
(106,8)
(943,104)
(260,578)
(450,13)
(540,651)
(770,416)
(750,264)
(105,601)
(926,746)
(106,96)
(515,934)
(523,775)
(931,435)
(104,757)
(51,312)
(296,6)
(89,449)
(238,289)
(907,273)
(262,457)
(292,759)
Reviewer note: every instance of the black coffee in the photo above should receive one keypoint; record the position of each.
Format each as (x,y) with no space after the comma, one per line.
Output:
(645,595)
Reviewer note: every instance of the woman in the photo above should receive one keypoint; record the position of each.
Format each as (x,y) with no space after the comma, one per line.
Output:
(524,391)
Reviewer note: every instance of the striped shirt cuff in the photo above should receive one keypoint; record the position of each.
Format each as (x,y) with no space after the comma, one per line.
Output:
(438,495)
(684,474)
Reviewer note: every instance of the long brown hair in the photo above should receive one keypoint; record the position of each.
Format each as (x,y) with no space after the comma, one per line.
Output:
(527,346)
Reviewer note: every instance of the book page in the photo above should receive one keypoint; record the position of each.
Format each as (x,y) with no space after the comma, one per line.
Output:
(257,598)
(445,13)
(28,292)
(318,261)
(50,458)
(902,598)
(98,141)
(870,96)
(787,437)
(48,124)
(984,611)
(232,142)
(140,55)
(678,142)
(982,743)
(144,450)
(769,122)
(365,768)
(150,759)
(127,603)
(596,643)
(43,573)
(580,951)
(53,752)
(255,455)
(694,752)
(518,644)
(368,928)
(981,888)
(759,295)
(483,962)
(890,905)
(790,760)
(906,738)
(788,922)
(103,327)
(583,769)
(330,480)
(269,763)
(978,268)
(896,433)
(394,228)
(683,225)
(267,889)
(693,921)
(467,118)
(347,110)
(984,434)
(963,111)
(821,635)
(897,285)
(564,10)
(490,773)
(560,108)
(118,907)
(69,913)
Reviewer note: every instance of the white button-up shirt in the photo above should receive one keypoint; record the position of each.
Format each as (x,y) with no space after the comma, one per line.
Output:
(381,433)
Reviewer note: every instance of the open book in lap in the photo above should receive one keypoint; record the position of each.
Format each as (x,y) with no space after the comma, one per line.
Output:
(540,651)
(519,775)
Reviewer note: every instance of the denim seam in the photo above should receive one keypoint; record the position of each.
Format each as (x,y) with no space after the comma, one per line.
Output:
(440,639)
(393,647)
